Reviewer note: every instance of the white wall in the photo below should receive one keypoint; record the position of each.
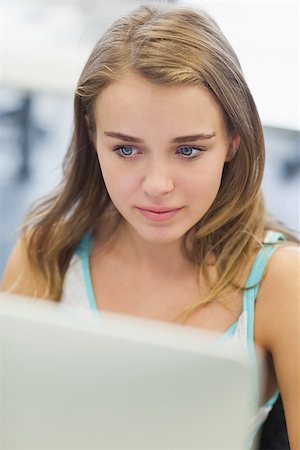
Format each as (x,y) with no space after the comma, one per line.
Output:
(45,44)
(265,36)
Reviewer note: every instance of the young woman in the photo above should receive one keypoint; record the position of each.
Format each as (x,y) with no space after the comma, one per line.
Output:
(160,213)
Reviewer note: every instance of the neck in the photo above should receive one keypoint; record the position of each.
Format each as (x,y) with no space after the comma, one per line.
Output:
(162,259)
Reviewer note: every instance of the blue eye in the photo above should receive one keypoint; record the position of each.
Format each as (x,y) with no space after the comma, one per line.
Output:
(125,151)
(190,152)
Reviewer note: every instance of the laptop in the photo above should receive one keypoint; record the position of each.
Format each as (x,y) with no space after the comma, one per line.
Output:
(74,379)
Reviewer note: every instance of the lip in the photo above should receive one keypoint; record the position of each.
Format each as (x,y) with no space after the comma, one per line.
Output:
(159,214)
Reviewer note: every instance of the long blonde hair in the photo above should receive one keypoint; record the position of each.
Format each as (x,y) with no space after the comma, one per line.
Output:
(170,46)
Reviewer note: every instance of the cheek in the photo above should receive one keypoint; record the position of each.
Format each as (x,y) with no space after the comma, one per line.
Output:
(203,184)
(119,183)
(123,186)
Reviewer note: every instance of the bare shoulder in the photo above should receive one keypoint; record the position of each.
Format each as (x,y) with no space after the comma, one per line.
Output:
(282,276)
(278,329)
(278,300)
(18,278)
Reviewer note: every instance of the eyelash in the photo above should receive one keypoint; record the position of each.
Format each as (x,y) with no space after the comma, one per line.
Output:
(117,149)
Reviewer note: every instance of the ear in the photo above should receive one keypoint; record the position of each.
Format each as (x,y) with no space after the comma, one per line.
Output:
(234,144)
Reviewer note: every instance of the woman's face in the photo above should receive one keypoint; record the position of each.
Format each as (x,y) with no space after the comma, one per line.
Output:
(161,150)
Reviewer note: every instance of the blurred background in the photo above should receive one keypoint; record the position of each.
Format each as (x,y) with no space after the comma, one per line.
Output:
(43,47)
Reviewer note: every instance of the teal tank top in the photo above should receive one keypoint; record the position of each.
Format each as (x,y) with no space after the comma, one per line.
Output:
(78,291)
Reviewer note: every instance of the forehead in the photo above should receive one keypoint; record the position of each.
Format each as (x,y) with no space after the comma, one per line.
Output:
(135,100)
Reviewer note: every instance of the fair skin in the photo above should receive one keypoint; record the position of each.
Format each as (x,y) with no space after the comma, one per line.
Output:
(152,173)
(173,160)
(141,269)
(157,172)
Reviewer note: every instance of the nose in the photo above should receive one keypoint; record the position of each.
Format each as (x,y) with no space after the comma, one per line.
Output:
(158,180)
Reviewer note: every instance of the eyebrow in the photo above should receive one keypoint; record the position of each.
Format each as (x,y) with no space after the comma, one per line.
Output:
(179,139)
